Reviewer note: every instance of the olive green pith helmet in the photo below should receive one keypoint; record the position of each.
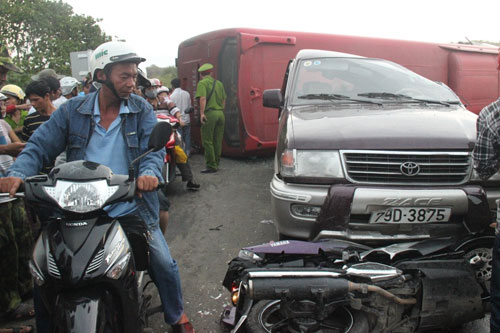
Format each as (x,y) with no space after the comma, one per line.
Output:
(6,61)
(205,67)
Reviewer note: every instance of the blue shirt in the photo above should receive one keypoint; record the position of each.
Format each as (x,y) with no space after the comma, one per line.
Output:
(70,128)
(108,147)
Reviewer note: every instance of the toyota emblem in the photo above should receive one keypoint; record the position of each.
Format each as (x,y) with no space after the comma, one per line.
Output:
(409,169)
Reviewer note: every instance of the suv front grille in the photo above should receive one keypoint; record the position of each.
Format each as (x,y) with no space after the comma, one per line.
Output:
(387,167)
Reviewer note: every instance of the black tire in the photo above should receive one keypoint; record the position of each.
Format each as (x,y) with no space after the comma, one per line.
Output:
(266,312)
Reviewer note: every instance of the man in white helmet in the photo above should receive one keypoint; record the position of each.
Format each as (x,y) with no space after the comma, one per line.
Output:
(111,127)
(69,87)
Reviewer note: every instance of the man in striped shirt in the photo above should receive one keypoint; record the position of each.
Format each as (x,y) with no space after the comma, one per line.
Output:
(38,93)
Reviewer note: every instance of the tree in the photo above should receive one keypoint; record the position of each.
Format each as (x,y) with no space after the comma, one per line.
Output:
(165,74)
(42,33)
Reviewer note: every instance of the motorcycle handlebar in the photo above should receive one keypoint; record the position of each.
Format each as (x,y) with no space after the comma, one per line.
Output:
(19,192)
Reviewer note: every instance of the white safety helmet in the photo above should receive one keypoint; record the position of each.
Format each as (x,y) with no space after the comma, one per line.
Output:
(142,77)
(68,83)
(110,53)
(155,82)
(162,89)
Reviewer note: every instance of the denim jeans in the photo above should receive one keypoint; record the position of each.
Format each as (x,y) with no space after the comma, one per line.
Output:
(162,270)
(165,274)
(495,287)
(186,138)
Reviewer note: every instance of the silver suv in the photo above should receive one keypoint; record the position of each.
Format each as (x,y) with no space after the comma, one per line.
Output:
(371,151)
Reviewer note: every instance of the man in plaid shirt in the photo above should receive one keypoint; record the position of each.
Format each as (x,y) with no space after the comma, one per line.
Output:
(486,153)
(486,156)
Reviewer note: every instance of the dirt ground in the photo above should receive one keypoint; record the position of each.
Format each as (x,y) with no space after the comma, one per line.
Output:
(208,227)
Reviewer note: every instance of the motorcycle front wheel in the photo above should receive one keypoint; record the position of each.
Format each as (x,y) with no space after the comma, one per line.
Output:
(265,316)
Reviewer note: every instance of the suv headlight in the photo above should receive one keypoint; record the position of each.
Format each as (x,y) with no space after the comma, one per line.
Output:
(311,163)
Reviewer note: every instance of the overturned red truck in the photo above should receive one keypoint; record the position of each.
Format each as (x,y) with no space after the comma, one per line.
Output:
(248,61)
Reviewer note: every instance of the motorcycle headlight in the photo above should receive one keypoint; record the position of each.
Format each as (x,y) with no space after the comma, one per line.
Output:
(311,163)
(81,197)
(249,255)
(117,270)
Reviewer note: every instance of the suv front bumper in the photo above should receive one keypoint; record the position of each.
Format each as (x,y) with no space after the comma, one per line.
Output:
(347,210)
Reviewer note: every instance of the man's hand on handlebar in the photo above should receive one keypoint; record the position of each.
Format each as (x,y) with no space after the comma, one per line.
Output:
(146,184)
(10,185)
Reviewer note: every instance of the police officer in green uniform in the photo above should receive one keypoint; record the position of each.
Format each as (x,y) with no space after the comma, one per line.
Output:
(212,102)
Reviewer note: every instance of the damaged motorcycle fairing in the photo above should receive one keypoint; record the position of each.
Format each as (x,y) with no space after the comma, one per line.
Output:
(303,247)
(427,271)
(411,249)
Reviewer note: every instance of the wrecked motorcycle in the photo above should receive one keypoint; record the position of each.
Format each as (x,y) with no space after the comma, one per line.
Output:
(336,285)
(355,275)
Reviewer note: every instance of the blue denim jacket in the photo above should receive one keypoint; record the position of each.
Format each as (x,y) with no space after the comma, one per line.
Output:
(70,128)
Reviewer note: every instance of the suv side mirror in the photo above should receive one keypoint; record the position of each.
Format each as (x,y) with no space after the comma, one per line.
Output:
(272,98)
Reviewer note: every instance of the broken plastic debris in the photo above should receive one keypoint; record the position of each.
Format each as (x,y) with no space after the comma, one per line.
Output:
(216,297)
(204,313)
(267,222)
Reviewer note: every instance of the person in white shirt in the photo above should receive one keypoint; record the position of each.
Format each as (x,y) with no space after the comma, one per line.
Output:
(182,100)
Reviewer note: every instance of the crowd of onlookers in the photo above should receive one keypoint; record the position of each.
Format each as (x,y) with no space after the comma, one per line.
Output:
(23,111)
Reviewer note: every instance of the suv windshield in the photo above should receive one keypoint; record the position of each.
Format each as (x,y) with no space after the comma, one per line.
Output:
(323,80)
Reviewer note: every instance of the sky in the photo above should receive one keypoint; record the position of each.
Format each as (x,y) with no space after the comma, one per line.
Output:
(156,27)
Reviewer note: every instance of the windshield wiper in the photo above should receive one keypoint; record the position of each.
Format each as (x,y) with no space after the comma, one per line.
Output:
(386,95)
(336,97)
(383,95)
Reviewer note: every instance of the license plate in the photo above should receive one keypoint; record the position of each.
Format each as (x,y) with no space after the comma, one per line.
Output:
(411,215)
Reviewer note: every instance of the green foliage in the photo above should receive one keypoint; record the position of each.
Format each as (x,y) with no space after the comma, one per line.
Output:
(42,33)
(165,74)
(479,42)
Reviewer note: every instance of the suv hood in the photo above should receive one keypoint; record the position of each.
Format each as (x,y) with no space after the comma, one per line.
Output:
(385,128)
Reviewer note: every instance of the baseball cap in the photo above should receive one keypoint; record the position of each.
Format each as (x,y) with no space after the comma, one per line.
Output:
(45,73)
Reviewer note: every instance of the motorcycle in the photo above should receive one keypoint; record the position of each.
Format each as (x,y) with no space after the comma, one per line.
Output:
(169,164)
(334,285)
(89,268)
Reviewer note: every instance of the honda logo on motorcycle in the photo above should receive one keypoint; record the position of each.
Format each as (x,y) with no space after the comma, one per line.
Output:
(409,169)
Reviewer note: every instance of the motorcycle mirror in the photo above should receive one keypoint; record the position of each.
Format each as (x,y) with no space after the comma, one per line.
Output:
(157,141)
(159,136)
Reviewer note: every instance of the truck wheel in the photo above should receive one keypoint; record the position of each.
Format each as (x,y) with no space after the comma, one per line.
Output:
(265,316)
